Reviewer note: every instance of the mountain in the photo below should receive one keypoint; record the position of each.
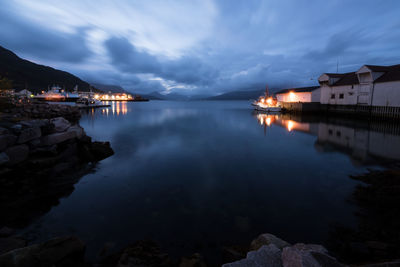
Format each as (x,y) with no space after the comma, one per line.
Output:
(109,88)
(238,95)
(34,77)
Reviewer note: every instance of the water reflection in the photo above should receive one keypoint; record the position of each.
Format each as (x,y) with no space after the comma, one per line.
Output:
(365,142)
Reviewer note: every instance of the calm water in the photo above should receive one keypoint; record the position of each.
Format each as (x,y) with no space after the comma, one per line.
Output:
(196,176)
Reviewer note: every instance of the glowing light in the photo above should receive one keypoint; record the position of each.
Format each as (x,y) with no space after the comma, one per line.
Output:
(290,125)
(262,100)
(292,96)
(96,96)
(268,121)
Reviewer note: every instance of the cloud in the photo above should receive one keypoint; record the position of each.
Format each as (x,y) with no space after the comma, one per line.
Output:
(202,46)
(30,39)
(187,70)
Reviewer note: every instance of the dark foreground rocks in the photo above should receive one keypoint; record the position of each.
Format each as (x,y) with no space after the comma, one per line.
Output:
(58,252)
(41,159)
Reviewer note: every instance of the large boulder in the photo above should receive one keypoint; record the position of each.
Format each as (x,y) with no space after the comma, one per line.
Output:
(7,140)
(57,138)
(78,130)
(144,253)
(195,260)
(60,124)
(100,150)
(64,251)
(3,130)
(4,158)
(29,134)
(17,154)
(265,256)
(266,239)
(308,255)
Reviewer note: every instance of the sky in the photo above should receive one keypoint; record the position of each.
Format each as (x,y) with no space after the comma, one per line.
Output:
(202,47)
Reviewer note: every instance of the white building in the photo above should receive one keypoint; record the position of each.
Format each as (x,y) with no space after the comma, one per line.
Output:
(370,85)
(303,95)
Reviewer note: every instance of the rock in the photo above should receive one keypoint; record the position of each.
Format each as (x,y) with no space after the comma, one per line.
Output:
(3,131)
(29,134)
(265,256)
(4,158)
(7,140)
(17,154)
(35,123)
(17,128)
(310,247)
(266,239)
(101,150)
(11,243)
(234,253)
(79,132)
(144,253)
(196,260)
(305,255)
(64,251)
(6,232)
(56,138)
(60,124)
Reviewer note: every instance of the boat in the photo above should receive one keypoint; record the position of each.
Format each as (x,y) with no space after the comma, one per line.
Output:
(57,94)
(86,102)
(268,109)
(267,103)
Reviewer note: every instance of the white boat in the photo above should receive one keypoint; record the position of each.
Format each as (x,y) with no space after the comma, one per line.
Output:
(267,103)
(268,109)
(85,102)
(57,94)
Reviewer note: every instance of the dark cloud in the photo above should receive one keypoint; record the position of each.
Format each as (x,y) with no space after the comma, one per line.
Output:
(188,70)
(127,58)
(28,38)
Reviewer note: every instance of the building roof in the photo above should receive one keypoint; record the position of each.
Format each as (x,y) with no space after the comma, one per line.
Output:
(392,73)
(347,79)
(376,68)
(298,90)
(335,75)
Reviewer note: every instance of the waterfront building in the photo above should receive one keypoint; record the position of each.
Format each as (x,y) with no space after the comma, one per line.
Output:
(370,86)
(302,94)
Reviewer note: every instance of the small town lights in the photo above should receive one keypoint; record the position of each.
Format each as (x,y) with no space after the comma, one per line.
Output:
(292,96)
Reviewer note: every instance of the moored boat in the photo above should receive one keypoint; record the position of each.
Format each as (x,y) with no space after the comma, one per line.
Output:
(267,103)
(85,102)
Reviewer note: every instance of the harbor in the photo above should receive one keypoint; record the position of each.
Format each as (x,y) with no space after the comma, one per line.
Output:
(200,133)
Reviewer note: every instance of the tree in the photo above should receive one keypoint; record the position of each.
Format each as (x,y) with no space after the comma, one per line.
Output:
(5,84)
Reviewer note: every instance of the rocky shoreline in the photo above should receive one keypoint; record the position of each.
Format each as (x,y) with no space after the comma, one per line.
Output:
(266,250)
(43,153)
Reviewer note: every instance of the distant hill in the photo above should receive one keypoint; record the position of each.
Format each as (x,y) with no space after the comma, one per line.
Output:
(238,95)
(35,77)
(109,88)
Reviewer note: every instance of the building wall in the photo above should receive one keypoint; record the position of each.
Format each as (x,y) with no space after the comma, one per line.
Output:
(316,95)
(294,97)
(386,94)
(339,95)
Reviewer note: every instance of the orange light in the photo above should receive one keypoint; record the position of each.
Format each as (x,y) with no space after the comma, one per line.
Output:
(290,125)
(292,96)
(268,121)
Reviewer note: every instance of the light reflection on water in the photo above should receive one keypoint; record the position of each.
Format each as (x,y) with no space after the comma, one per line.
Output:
(196,176)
